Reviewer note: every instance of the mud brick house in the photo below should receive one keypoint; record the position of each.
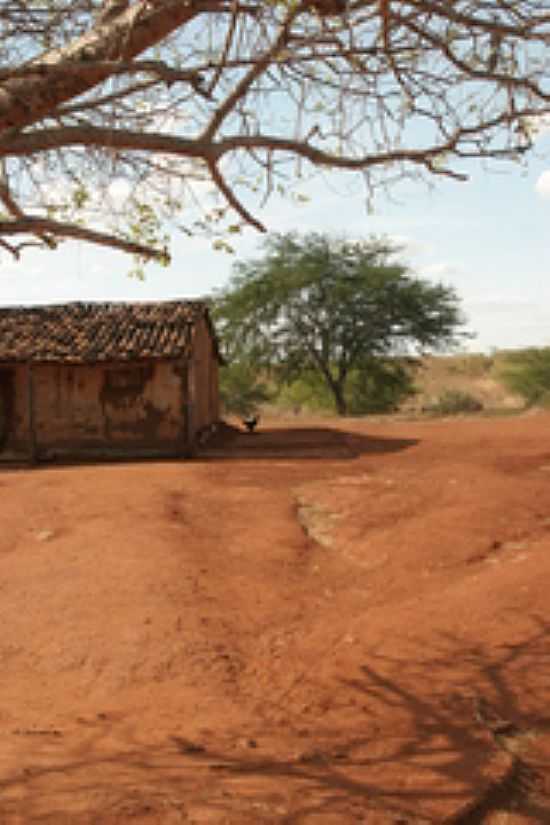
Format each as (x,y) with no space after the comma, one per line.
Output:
(106,380)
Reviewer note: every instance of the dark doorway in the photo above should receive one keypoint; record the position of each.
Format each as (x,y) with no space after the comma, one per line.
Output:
(6,404)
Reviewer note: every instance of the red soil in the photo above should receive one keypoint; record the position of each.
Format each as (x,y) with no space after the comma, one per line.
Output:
(323,623)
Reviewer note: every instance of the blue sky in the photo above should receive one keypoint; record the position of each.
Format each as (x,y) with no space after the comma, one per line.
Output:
(489,238)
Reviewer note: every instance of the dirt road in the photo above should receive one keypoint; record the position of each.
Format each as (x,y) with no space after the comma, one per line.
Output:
(323,623)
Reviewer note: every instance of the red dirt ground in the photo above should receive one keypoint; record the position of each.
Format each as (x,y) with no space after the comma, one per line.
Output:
(326,622)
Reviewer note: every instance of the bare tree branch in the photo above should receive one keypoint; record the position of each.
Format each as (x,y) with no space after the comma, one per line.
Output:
(24,100)
(387,89)
(58,229)
(232,200)
(47,139)
(112,68)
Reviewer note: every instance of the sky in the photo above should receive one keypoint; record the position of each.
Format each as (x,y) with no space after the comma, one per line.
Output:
(488,238)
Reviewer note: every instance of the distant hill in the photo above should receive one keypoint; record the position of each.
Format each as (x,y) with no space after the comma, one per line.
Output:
(475,374)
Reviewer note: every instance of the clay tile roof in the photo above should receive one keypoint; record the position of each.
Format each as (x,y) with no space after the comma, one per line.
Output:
(86,333)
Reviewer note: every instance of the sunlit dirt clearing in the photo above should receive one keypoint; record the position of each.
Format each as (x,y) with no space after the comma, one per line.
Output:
(328,621)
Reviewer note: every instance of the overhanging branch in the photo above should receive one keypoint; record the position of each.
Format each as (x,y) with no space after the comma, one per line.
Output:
(26,100)
(89,69)
(232,199)
(30,225)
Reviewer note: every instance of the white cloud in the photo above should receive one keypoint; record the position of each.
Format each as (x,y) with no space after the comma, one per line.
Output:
(119,191)
(442,269)
(505,322)
(58,190)
(542,185)
(505,303)
(411,246)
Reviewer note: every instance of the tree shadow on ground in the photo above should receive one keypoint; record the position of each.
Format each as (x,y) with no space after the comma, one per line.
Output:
(441,740)
(298,443)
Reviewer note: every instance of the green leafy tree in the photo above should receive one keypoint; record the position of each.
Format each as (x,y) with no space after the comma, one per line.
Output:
(331,305)
(199,109)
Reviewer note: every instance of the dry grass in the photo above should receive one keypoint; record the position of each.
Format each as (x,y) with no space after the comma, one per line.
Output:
(475,374)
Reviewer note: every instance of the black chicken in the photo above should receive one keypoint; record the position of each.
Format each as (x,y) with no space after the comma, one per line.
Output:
(251,422)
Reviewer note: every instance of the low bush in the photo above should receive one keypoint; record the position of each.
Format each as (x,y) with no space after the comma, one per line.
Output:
(527,373)
(378,387)
(381,386)
(241,391)
(307,393)
(454,402)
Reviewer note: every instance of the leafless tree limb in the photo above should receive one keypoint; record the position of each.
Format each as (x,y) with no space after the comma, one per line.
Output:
(39,226)
(383,88)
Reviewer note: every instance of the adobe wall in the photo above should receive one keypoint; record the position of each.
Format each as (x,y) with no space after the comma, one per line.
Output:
(203,381)
(113,409)
(128,408)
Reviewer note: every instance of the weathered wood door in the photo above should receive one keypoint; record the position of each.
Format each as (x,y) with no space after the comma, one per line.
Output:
(6,404)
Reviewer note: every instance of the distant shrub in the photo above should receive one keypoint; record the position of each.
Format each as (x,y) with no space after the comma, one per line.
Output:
(454,402)
(527,373)
(241,391)
(381,386)
(306,393)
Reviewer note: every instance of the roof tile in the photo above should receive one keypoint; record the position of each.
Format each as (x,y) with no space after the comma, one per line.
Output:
(90,332)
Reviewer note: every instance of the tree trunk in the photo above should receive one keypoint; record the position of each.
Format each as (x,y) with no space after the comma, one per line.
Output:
(335,385)
(341,405)
(337,389)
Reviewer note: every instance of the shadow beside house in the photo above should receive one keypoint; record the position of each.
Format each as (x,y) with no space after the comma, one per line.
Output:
(297,443)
